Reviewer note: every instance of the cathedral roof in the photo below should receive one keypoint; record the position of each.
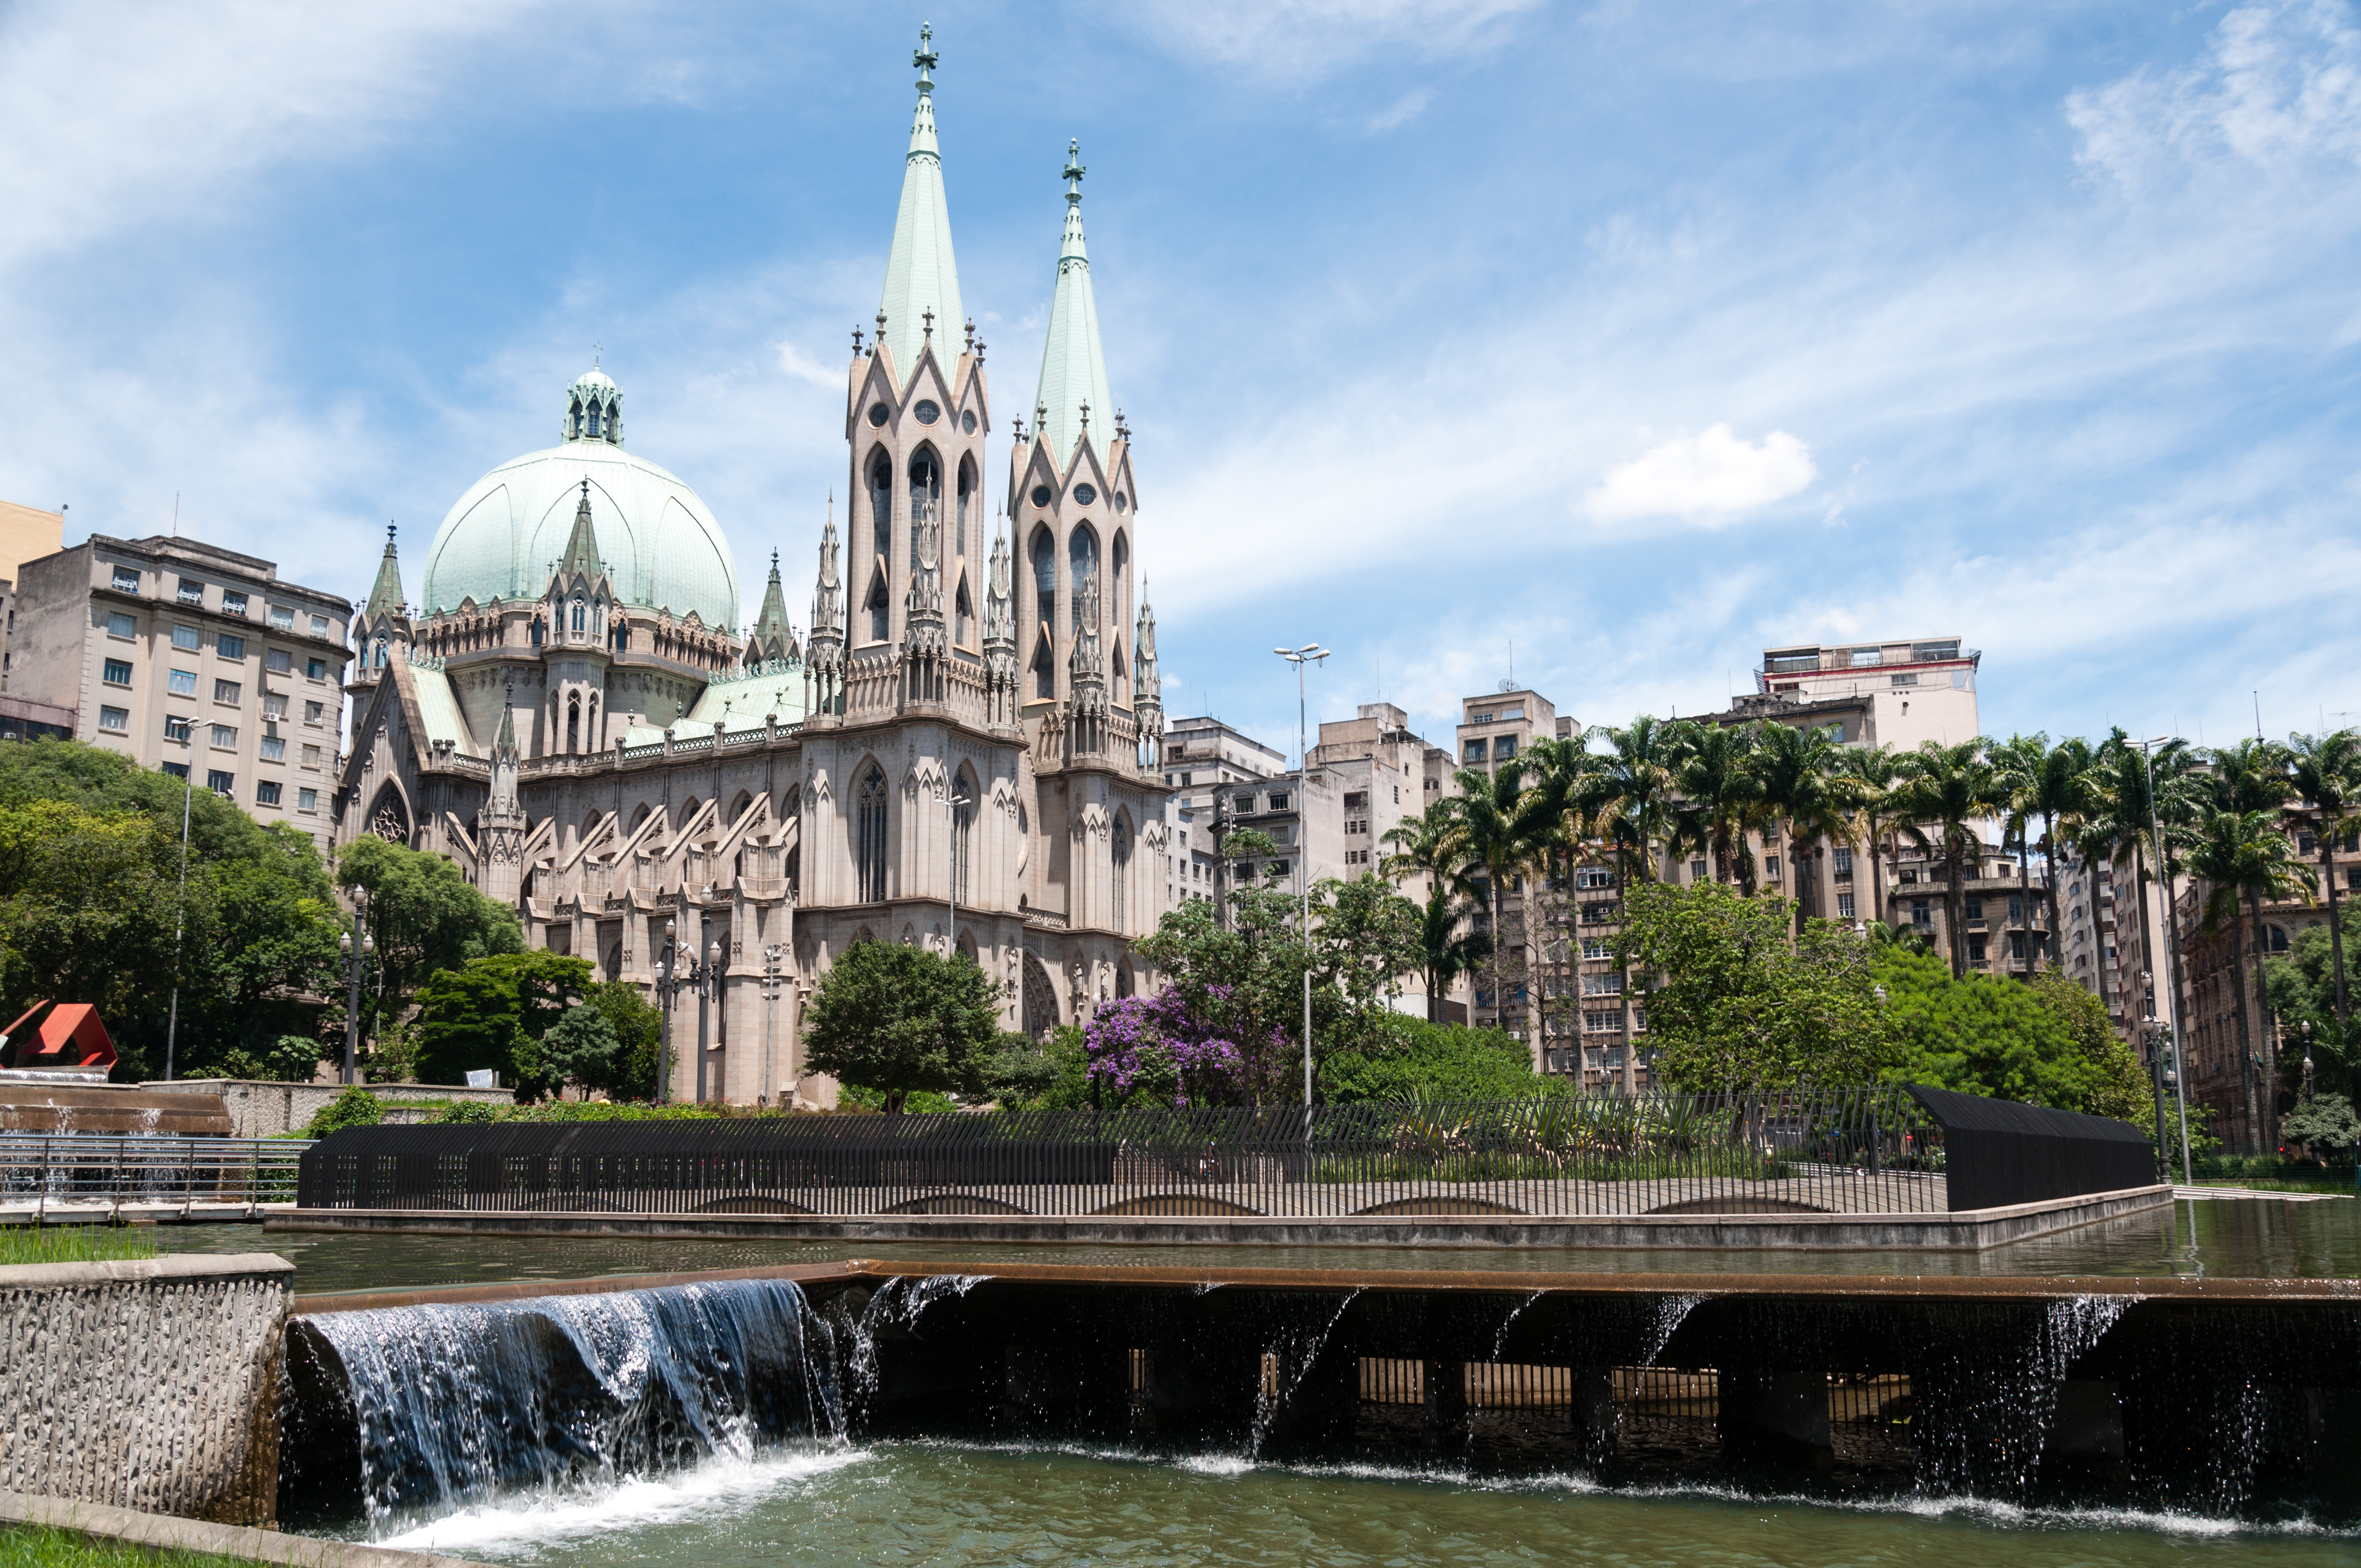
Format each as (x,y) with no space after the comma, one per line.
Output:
(662,546)
(920,275)
(1073,365)
(385,594)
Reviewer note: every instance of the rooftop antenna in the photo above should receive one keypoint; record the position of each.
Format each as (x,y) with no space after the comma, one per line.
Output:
(176,515)
(2258,713)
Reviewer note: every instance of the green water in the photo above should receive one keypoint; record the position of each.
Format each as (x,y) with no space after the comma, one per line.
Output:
(952,1507)
(2265,1238)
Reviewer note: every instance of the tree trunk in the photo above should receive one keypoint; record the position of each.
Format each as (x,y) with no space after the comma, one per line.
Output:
(2335,934)
(2057,910)
(2025,897)
(2270,1073)
(2245,1038)
(1877,876)
(1954,908)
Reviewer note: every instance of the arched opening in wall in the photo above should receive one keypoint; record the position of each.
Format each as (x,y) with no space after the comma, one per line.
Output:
(1040,999)
(640,816)
(1044,668)
(591,425)
(881,615)
(925,486)
(967,946)
(740,806)
(1044,551)
(880,502)
(791,804)
(689,809)
(590,819)
(573,727)
(611,964)
(2275,939)
(870,834)
(1119,674)
(795,868)
(1119,559)
(593,733)
(581,613)
(389,818)
(969,499)
(1082,560)
(962,615)
(1124,983)
(1120,851)
(962,835)
(574,419)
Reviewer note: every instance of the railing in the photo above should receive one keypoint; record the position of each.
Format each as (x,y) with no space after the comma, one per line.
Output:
(1840,1151)
(66,1172)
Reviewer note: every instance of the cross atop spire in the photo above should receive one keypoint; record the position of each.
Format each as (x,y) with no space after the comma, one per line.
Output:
(385,597)
(1074,172)
(924,58)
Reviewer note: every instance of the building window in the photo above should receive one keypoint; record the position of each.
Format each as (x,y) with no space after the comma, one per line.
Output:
(281,618)
(192,591)
(870,846)
(1922,914)
(1975,949)
(1279,800)
(2017,909)
(1771,867)
(1598,914)
(1844,906)
(2017,945)
(1602,985)
(221,782)
(177,729)
(185,637)
(319,626)
(1594,876)
(1474,750)
(115,721)
(279,661)
(267,792)
(311,756)
(121,625)
(1278,868)
(1974,907)
(1595,947)
(226,736)
(1357,800)
(1697,870)
(1843,861)
(274,749)
(233,604)
(126,579)
(312,712)
(178,770)
(307,800)
(1504,747)
(230,647)
(315,669)
(229,692)
(181,683)
(115,672)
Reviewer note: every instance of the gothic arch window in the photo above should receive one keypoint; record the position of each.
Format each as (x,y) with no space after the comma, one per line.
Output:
(1121,851)
(880,502)
(1044,668)
(581,611)
(1123,981)
(540,631)
(639,817)
(574,419)
(1120,558)
(1044,573)
(968,499)
(870,842)
(1082,558)
(964,613)
(573,727)
(688,813)
(1118,672)
(738,808)
(925,485)
(594,418)
(881,619)
(963,836)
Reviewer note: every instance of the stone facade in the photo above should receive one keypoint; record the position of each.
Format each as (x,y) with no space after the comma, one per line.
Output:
(148,1384)
(260,1109)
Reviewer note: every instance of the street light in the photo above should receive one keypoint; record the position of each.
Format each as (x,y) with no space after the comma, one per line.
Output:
(1310,653)
(2172,941)
(772,956)
(952,801)
(357,956)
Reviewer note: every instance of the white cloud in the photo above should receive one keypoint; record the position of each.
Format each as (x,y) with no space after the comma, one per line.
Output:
(1401,111)
(1305,39)
(793,361)
(2279,87)
(1712,478)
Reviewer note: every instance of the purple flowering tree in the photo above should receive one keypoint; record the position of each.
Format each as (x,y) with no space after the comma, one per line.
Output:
(1158,1050)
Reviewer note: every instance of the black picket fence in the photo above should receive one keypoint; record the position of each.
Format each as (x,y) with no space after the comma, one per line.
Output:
(1833,1150)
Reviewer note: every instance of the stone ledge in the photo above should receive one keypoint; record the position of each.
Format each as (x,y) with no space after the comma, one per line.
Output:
(138,1270)
(163,1532)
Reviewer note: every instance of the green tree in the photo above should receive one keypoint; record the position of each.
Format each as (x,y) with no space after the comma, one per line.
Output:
(1364,936)
(1801,782)
(1735,1000)
(2053,783)
(2303,990)
(2325,1126)
(2137,829)
(1630,802)
(1721,796)
(2124,1088)
(492,1013)
(1046,1075)
(2245,855)
(1874,775)
(424,916)
(2324,773)
(1947,793)
(638,1024)
(1494,836)
(901,1020)
(1242,979)
(581,1047)
(1448,945)
(1409,1059)
(1983,1034)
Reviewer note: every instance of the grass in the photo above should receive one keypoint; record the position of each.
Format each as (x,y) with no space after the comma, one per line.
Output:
(2338,1183)
(33,1546)
(73,1243)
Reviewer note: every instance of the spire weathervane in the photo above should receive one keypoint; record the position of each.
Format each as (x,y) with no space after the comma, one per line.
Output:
(924,58)
(1075,171)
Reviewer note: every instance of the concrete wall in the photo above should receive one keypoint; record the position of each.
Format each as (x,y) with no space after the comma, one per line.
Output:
(258,1109)
(147,1385)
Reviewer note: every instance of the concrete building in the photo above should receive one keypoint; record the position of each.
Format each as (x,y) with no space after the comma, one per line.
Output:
(27,533)
(1916,690)
(568,710)
(195,660)
(1200,756)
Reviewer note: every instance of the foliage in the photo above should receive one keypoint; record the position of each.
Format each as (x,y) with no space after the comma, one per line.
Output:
(356,1107)
(581,1047)
(901,1020)
(75,1244)
(638,1024)
(492,1013)
(2124,1090)
(1733,1002)
(1051,1075)
(1412,1059)
(917,1103)
(459,1111)
(291,1058)
(2324,1125)
(1364,936)
(2302,988)
(1986,1035)
(1170,1048)
(424,918)
(1234,996)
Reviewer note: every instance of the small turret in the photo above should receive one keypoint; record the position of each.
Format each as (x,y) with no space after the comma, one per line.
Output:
(1146,686)
(999,637)
(824,669)
(771,646)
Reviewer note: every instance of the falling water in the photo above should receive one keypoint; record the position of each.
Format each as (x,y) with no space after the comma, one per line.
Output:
(2002,1389)
(853,1336)
(1296,1350)
(452,1402)
(1501,1338)
(1665,1316)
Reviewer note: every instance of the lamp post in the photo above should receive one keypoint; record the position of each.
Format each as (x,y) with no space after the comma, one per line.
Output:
(709,952)
(181,914)
(667,986)
(2172,943)
(952,801)
(356,944)
(772,955)
(1310,653)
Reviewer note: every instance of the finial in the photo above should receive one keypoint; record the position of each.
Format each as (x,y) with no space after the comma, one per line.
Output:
(1086,419)
(970,334)
(595,352)
(925,57)
(928,316)
(1121,429)
(1074,172)
(856,343)
(1020,427)
(1040,415)
(389,534)
(979,351)
(774,562)
(881,329)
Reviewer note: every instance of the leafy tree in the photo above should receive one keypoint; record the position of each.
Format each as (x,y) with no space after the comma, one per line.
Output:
(2243,854)
(294,1059)
(1047,1074)
(492,1013)
(1983,1034)
(1802,784)
(1873,776)
(1735,1001)
(901,1020)
(1412,1059)
(581,1047)
(2302,992)
(2324,1125)
(1364,937)
(1495,833)
(2055,784)
(1946,792)
(424,918)
(2124,1090)
(638,1024)
(1720,797)
(2324,773)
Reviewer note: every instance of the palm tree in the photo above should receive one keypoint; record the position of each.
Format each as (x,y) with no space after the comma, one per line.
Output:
(1801,781)
(2246,855)
(2122,823)
(1629,801)
(1426,845)
(1493,835)
(2325,773)
(2252,776)
(1947,791)
(1873,774)
(2052,783)
(1713,768)
(1556,810)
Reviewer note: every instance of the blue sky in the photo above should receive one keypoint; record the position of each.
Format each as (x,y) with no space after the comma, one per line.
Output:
(1639,337)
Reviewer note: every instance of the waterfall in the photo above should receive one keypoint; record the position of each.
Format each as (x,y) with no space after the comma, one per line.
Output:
(447,1403)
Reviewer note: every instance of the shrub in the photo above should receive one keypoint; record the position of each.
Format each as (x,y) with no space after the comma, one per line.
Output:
(356,1107)
(1440,1061)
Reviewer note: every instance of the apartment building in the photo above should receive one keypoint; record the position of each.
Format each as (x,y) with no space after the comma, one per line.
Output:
(1916,690)
(27,533)
(195,660)
(2004,910)
(1198,757)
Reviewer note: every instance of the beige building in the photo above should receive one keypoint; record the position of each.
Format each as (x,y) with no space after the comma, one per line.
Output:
(1198,756)
(27,533)
(1916,690)
(195,660)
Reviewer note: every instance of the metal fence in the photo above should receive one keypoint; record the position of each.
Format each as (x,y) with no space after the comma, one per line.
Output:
(41,1172)
(2006,1153)
(1845,1151)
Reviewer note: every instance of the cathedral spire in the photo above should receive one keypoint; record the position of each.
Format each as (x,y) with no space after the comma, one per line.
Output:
(582,544)
(385,597)
(771,642)
(1073,365)
(824,664)
(920,275)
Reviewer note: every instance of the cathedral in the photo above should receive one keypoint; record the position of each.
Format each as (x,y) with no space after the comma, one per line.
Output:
(949,755)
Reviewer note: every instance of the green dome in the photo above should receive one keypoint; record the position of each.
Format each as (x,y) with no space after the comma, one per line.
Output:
(663,548)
